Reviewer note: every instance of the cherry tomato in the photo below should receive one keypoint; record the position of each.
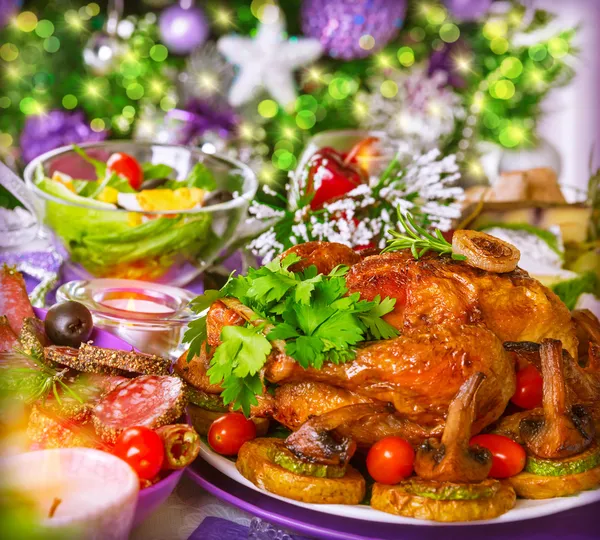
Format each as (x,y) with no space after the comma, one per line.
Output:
(126,166)
(228,433)
(390,460)
(143,449)
(336,177)
(530,387)
(508,457)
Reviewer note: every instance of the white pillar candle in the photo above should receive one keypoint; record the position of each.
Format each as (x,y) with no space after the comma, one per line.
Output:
(88,494)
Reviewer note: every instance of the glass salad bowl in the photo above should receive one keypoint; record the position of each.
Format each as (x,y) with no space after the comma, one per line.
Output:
(168,230)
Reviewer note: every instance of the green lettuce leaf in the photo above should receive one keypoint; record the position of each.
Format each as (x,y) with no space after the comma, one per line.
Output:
(569,291)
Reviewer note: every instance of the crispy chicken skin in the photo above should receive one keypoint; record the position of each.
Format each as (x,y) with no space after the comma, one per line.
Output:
(453,320)
(420,373)
(436,290)
(324,255)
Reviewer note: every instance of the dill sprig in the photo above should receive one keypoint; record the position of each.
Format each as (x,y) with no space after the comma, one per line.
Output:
(33,382)
(418,239)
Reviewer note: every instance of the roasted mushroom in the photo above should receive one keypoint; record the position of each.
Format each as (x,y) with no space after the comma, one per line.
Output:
(452,459)
(317,442)
(452,483)
(562,430)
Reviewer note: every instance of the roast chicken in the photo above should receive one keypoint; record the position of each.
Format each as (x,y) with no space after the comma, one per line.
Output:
(453,320)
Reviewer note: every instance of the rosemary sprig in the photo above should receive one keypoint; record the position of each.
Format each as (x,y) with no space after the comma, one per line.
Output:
(34,382)
(418,239)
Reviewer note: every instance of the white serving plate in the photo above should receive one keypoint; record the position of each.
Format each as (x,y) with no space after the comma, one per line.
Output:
(523,510)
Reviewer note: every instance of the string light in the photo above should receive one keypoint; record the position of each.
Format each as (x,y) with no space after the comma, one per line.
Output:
(494,86)
(223,18)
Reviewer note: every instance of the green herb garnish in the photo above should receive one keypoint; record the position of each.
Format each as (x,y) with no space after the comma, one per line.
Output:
(569,291)
(418,239)
(306,314)
(27,378)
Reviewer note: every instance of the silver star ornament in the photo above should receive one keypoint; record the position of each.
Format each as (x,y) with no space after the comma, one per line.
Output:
(267,61)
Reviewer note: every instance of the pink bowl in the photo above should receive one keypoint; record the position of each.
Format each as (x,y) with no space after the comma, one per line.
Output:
(151,498)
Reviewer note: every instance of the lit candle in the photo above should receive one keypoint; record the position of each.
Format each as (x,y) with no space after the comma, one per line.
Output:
(135,303)
(150,316)
(81,492)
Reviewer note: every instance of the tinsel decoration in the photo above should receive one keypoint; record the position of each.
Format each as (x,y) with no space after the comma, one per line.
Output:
(351,29)
(468,10)
(207,75)
(54,129)
(422,113)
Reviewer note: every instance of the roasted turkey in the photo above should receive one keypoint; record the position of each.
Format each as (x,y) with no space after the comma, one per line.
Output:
(453,320)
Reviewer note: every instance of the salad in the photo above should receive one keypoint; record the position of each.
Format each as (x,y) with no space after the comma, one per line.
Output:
(135,220)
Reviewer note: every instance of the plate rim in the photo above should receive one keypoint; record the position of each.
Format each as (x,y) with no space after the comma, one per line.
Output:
(540,510)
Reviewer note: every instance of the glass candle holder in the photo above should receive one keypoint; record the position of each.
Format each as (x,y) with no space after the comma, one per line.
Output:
(150,316)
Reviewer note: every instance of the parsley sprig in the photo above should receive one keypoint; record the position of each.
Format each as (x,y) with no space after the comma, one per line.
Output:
(418,239)
(311,314)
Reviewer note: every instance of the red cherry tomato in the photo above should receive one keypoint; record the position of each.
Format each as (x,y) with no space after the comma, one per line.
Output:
(390,460)
(508,457)
(126,166)
(336,178)
(143,449)
(228,433)
(530,388)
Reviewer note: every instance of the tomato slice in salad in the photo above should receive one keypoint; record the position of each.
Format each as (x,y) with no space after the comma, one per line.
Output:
(126,166)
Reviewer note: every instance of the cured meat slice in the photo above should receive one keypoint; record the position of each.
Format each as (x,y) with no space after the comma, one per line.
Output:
(8,339)
(86,391)
(150,400)
(49,430)
(92,359)
(33,337)
(14,302)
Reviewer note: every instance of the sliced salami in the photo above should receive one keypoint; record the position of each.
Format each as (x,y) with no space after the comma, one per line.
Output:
(86,391)
(8,339)
(150,400)
(14,302)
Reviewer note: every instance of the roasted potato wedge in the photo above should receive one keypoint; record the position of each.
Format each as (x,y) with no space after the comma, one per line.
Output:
(485,500)
(203,418)
(255,464)
(534,486)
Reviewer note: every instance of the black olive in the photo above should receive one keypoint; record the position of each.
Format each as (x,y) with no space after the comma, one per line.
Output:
(69,324)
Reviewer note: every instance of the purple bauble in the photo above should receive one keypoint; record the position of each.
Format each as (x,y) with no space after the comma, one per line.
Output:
(202,116)
(8,8)
(339,25)
(53,129)
(468,10)
(183,29)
